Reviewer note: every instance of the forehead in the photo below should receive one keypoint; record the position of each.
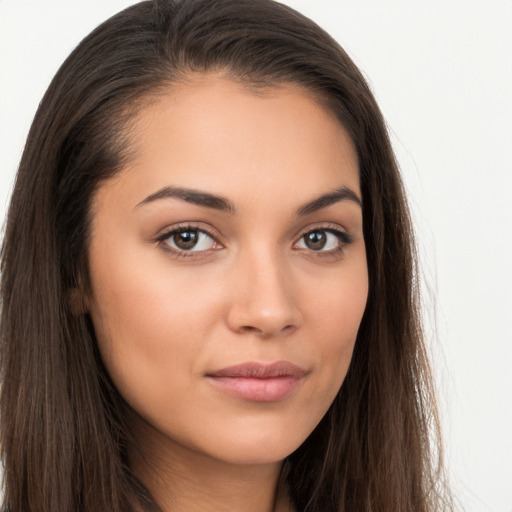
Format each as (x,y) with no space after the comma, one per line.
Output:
(216,134)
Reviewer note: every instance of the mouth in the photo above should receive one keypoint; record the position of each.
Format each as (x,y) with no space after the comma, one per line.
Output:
(258,382)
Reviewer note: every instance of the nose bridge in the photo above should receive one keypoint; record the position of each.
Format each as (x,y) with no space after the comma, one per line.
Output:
(263,299)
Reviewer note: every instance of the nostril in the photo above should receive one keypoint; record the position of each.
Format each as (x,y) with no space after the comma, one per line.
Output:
(267,332)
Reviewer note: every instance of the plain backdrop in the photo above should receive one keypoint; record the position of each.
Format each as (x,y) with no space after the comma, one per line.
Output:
(442,73)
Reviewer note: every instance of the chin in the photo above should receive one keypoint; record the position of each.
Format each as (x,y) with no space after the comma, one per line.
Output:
(265,444)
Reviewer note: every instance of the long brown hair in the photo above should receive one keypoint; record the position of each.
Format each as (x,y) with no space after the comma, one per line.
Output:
(63,431)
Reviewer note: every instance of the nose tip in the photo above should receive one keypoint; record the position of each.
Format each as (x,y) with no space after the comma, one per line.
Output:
(265,323)
(264,303)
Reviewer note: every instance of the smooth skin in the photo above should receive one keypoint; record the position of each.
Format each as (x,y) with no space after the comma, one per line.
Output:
(185,284)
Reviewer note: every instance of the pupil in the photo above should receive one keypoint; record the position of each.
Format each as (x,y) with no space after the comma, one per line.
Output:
(316,240)
(185,239)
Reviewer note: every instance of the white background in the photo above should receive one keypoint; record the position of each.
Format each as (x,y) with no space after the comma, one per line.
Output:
(442,73)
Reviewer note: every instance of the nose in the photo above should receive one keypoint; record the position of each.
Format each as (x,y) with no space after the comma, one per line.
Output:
(263,300)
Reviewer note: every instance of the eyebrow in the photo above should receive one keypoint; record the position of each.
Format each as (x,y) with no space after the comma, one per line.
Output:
(207,200)
(189,195)
(340,194)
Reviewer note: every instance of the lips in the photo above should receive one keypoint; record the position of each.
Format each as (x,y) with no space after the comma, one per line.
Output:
(258,382)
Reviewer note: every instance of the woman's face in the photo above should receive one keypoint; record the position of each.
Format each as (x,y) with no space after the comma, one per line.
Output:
(228,269)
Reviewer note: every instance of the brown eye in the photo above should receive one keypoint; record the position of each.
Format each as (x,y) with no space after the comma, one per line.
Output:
(185,240)
(189,240)
(315,240)
(324,240)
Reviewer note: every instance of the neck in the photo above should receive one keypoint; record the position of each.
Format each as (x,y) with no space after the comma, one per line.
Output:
(184,480)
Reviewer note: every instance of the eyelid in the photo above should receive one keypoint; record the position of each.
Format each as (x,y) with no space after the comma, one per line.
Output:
(328,226)
(192,226)
(342,234)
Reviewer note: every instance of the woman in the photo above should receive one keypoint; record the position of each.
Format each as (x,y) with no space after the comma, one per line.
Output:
(208,281)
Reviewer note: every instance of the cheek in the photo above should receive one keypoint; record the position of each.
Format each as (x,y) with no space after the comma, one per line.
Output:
(146,329)
(338,305)
(136,296)
(335,317)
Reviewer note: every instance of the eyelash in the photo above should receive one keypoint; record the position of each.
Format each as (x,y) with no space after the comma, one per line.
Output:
(182,253)
(343,237)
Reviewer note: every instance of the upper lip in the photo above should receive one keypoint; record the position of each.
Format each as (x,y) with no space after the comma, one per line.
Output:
(261,370)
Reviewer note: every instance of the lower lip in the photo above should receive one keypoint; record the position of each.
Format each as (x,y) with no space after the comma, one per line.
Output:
(270,389)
